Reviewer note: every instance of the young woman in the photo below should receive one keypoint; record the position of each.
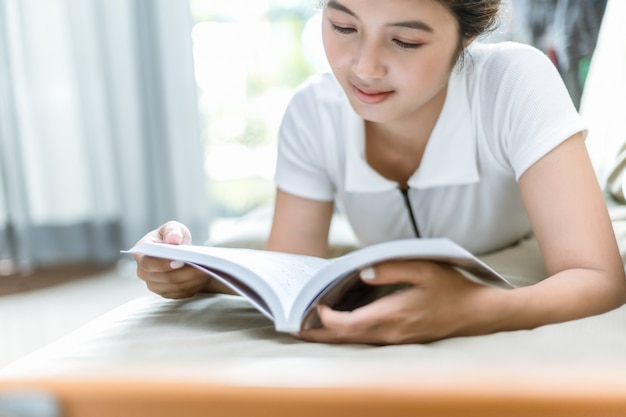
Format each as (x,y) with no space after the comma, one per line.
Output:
(421,131)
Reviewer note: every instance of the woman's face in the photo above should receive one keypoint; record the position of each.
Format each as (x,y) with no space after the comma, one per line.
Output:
(391,57)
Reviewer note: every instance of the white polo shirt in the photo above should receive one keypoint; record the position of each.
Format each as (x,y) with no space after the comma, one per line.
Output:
(506,107)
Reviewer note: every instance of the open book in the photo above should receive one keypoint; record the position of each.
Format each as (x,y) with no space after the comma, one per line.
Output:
(287,287)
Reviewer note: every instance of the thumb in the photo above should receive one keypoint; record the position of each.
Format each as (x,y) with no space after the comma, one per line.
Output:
(412,272)
(175,233)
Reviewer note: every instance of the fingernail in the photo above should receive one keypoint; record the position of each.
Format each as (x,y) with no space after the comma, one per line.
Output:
(174,237)
(176,264)
(367,274)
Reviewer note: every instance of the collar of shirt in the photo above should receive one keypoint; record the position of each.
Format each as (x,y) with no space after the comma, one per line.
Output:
(449,158)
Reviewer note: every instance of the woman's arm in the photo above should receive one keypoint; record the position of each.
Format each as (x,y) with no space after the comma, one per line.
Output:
(572,225)
(300,225)
(573,228)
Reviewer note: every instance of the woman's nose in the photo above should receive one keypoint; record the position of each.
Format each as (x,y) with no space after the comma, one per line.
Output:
(368,63)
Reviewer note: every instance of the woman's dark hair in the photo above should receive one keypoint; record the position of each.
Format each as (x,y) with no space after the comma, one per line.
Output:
(474,18)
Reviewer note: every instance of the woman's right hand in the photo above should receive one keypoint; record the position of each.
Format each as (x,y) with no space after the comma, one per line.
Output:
(170,279)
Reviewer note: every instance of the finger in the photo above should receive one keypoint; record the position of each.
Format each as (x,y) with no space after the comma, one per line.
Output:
(367,319)
(376,322)
(323,335)
(186,281)
(160,271)
(328,335)
(176,291)
(413,272)
(150,264)
(174,233)
(338,327)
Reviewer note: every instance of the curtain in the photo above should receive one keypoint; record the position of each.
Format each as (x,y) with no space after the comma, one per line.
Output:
(99,130)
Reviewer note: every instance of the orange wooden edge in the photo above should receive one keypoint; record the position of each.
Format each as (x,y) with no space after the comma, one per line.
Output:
(139,398)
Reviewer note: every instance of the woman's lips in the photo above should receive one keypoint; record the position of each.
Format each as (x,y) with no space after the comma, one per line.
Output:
(371,96)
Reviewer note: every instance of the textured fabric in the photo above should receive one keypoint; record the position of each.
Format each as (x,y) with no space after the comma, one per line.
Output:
(506,108)
(222,339)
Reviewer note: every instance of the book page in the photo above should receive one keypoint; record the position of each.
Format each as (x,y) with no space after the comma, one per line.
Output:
(275,277)
(285,273)
(238,287)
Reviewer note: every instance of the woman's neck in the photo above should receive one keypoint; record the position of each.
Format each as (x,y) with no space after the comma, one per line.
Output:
(395,149)
(413,130)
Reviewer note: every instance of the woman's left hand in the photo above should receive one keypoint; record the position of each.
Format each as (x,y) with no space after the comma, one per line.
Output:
(438,303)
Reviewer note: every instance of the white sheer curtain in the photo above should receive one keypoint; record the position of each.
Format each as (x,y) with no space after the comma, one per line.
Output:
(99,129)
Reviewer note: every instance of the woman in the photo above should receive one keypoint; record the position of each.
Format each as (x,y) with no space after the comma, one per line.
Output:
(420,131)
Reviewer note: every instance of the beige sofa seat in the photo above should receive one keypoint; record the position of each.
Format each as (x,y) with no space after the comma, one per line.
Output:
(219,353)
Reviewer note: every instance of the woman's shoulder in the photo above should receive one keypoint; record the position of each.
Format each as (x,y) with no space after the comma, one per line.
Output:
(505,69)
(507,59)
(507,51)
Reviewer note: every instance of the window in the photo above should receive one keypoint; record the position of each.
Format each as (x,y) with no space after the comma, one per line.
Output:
(249,57)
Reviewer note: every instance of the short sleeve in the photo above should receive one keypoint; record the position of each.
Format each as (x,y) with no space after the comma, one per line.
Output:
(528,105)
(300,165)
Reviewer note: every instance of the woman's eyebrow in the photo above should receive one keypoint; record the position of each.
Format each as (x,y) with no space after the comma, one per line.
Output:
(334,4)
(411,24)
(414,24)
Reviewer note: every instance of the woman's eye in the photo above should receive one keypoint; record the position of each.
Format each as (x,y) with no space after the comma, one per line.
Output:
(342,29)
(407,45)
